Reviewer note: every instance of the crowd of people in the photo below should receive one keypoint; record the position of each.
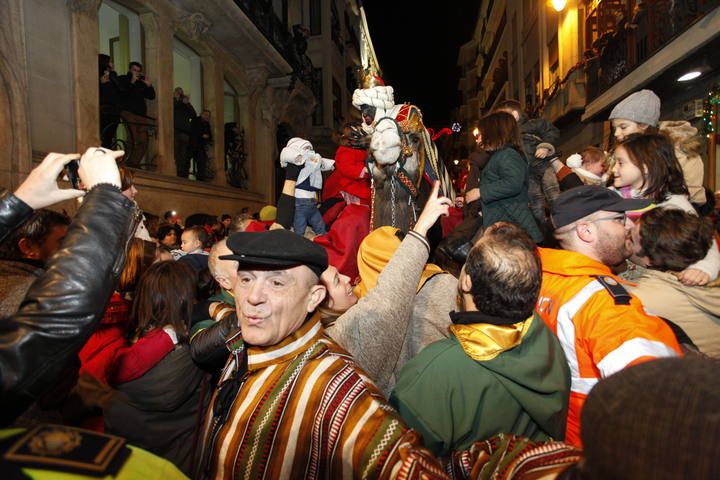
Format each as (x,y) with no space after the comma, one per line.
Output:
(574,333)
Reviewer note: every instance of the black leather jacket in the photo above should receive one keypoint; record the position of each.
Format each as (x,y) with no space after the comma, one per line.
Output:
(65,304)
(207,347)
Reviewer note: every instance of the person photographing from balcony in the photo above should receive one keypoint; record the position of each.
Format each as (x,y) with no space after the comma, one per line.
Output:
(136,88)
(110,96)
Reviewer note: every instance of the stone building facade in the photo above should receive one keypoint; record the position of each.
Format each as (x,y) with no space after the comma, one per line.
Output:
(49,90)
(574,65)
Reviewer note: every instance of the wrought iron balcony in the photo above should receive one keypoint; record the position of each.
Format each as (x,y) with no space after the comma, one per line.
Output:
(636,36)
(292,47)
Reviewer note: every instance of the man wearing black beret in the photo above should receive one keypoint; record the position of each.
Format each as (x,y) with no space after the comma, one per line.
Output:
(291,403)
(601,327)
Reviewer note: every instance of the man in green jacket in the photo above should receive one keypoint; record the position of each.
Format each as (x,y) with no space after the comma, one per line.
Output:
(501,370)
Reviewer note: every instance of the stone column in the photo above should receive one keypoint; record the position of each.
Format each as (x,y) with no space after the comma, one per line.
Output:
(265,157)
(15,150)
(84,18)
(158,67)
(213,100)
(260,132)
(245,121)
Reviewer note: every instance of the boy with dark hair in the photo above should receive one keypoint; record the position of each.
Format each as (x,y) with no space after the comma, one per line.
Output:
(24,253)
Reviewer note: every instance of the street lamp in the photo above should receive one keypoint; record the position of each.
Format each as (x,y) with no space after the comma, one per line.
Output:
(558,5)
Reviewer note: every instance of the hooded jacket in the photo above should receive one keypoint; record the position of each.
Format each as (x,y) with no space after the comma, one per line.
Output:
(688,147)
(695,309)
(349,175)
(484,380)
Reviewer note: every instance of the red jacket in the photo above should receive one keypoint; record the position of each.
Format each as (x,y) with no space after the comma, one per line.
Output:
(134,361)
(107,356)
(98,353)
(349,175)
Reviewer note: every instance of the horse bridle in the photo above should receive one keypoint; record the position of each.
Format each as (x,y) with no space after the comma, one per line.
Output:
(405,152)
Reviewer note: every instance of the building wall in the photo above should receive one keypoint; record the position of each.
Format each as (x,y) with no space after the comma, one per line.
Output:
(51,83)
(49,99)
(559,94)
(334,63)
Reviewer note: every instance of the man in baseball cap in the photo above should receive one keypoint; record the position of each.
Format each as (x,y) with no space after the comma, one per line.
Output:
(602,328)
(582,201)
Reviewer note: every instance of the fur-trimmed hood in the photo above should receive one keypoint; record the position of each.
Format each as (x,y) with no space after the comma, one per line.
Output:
(683,135)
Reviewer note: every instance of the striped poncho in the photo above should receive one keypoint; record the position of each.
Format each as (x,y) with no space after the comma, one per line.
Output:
(305,410)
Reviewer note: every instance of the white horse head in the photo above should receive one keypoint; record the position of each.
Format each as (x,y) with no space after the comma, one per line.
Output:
(386,143)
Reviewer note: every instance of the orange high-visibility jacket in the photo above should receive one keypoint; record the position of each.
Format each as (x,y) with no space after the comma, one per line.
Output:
(598,333)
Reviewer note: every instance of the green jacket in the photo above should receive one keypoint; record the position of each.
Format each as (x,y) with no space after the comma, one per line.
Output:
(453,400)
(504,191)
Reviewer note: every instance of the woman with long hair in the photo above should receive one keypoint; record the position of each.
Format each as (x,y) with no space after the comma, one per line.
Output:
(159,410)
(98,355)
(504,180)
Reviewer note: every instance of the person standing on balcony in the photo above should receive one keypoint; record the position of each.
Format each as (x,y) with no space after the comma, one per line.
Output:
(200,139)
(640,113)
(109,100)
(136,88)
(183,115)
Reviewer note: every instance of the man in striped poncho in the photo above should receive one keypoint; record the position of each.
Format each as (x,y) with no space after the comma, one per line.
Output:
(290,402)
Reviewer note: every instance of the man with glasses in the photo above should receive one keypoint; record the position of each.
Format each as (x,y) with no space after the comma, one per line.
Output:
(601,327)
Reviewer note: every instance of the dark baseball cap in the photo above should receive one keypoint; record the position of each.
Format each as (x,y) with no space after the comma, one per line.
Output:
(580,202)
(275,249)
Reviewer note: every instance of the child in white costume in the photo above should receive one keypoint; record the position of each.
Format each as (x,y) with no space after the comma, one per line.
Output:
(310,181)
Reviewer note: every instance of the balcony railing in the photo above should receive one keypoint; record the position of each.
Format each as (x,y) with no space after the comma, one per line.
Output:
(263,16)
(292,47)
(637,37)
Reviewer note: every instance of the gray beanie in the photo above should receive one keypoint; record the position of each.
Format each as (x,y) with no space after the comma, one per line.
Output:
(640,107)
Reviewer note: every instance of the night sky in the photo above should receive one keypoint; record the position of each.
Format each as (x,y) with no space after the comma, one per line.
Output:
(417,46)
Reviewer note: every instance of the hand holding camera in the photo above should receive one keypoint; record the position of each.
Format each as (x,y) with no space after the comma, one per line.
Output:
(99,165)
(40,188)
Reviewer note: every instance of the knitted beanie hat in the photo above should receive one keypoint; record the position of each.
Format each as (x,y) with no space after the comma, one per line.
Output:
(268,213)
(640,107)
(658,420)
